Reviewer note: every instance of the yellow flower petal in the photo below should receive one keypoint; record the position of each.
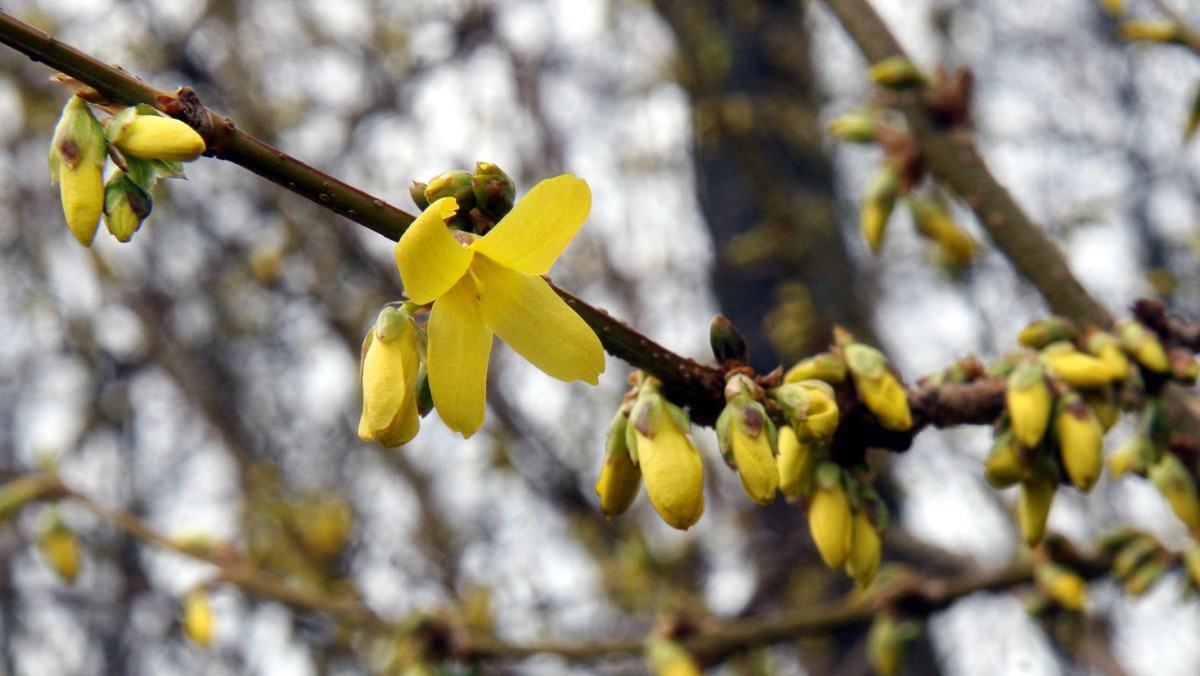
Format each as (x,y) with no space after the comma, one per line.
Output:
(527,315)
(430,259)
(533,235)
(459,346)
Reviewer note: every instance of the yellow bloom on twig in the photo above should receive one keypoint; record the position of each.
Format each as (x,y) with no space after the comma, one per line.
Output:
(480,286)
(389,378)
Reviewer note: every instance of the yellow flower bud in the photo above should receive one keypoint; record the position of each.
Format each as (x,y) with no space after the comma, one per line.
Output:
(1080,440)
(1029,404)
(82,192)
(885,646)
(670,463)
(60,547)
(389,376)
(824,366)
(877,387)
(1131,456)
(1008,462)
(896,72)
(878,203)
(795,462)
(668,658)
(1176,484)
(1143,345)
(1076,368)
(154,137)
(1104,406)
(856,127)
(934,222)
(620,478)
(1063,585)
(866,549)
(126,206)
(1033,507)
(1106,348)
(1144,576)
(1152,30)
(830,520)
(77,157)
(751,450)
(198,617)
(1046,331)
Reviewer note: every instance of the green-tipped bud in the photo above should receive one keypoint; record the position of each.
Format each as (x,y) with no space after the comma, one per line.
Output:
(424,394)
(727,342)
(1008,463)
(77,155)
(1152,30)
(1178,486)
(1080,440)
(887,643)
(1063,585)
(59,546)
(878,203)
(1104,404)
(746,436)
(1143,345)
(126,206)
(1077,369)
(620,478)
(857,127)
(933,221)
(829,516)
(1043,332)
(825,366)
(390,358)
(1029,403)
(670,464)
(1135,551)
(457,184)
(417,192)
(1033,507)
(809,408)
(198,617)
(878,387)
(143,133)
(1144,577)
(494,191)
(1131,456)
(897,72)
(668,658)
(866,546)
(1107,349)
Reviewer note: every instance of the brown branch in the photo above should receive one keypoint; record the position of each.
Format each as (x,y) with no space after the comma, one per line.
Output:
(951,155)
(685,380)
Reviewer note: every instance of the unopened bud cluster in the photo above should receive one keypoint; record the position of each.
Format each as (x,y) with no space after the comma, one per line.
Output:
(144,145)
(487,192)
(1065,390)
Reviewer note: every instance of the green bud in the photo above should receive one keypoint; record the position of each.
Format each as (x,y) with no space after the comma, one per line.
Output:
(878,202)
(494,191)
(727,342)
(417,192)
(856,127)
(1043,332)
(896,72)
(126,206)
(456,184)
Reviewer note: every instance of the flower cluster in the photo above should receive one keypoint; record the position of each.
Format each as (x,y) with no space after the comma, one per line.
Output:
(475,286)
(144,144)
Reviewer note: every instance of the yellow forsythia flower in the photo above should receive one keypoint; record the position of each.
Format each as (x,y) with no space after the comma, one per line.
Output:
(77,157)
(1080,440)
(795,462)
(830,521)
(1029,404)
(620,478)
(154,137)
(1063,585)
(866,549)
(198,617)
(1033,507)
(670,463)
(480,286)
(389,378)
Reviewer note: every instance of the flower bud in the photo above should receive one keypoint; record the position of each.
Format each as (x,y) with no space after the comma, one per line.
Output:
(59,546)
(829,517)
(1104,404)
(1062,584)
(1178,486)
(1029,404)
(878,203)
(1107,349)
(1033,507)
(1133,553)
(933,221)
(389,377)
(1131,456)
(1152,30)
(877,387)
(856,127)
(809,408)
(1080,440)
(744,432)
(668,658)
(1144,577)
(1143,345)
(727,342)
(198,617)
(825,366)
(796,462)
(154,137)
(620,478)
(416,190)
(323,525)
(1043,332)
(1113,8)
(1075,368)
(126,206)
(886,644)
(1191,561)
(896,72)
(866,546)
(670,463)
(1008,462)
(77,156)
(457,184)
(494,191)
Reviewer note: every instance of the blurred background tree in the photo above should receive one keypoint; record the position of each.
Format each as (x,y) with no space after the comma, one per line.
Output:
(204,378)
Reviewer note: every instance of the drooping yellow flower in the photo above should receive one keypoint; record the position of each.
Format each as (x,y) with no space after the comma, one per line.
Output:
(831,522)
(670,464)
(620,478)
(389,378)
(480,286)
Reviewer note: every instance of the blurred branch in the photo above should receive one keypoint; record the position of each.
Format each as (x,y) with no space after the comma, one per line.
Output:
(952,157)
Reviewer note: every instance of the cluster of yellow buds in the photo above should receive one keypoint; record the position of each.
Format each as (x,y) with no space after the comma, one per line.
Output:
(846,519)
(145,145)
(650,439)
(1138,560)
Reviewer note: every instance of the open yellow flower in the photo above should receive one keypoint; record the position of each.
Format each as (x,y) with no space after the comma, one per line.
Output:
(480,286)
